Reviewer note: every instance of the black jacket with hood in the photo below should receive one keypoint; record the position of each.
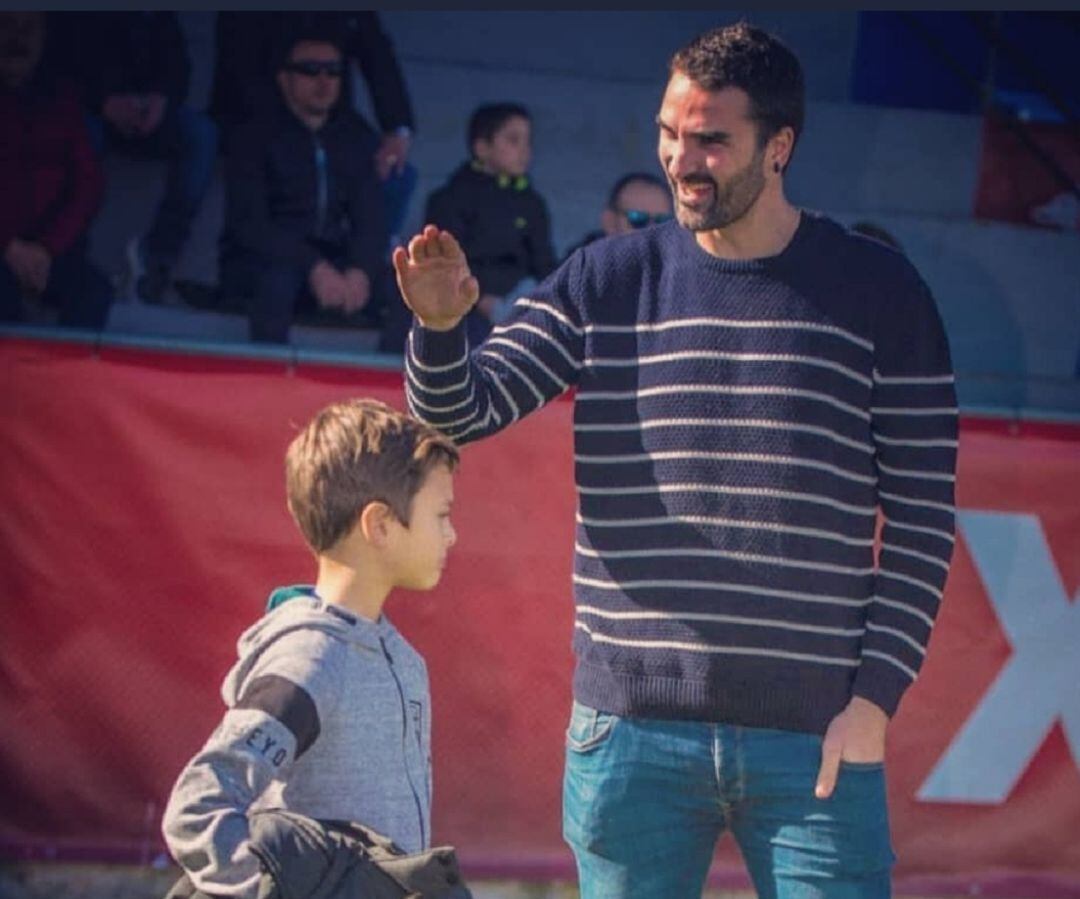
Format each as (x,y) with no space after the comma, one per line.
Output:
(501,223)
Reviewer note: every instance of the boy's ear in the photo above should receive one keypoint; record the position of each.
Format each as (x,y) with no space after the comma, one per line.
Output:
(376,521)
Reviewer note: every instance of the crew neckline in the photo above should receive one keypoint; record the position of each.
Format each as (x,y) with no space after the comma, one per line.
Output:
(758,263)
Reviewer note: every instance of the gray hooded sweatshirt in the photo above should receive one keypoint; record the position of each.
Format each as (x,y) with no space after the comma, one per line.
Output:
(328,715)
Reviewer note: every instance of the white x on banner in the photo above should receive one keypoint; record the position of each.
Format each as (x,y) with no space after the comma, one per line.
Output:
(1039,684)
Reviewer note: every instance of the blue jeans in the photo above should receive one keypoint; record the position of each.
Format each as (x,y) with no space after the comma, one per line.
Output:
(644,802)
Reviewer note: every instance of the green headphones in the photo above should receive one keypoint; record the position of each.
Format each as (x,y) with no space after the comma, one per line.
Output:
(517,182)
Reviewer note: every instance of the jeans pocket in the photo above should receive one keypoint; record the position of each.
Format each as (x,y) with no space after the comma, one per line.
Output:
(589,727)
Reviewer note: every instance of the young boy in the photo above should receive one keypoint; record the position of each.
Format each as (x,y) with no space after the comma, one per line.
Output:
(325,686)
(492,209)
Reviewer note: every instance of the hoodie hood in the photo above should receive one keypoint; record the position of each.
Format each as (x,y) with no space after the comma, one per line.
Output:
(301,608)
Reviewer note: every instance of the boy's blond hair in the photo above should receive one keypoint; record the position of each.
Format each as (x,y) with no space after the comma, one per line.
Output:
(353,453)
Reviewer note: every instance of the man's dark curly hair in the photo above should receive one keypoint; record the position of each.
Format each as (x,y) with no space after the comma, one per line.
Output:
(754,61)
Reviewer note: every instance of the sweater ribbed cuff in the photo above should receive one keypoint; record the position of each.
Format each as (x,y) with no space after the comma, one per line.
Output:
(438,348)
(880,683)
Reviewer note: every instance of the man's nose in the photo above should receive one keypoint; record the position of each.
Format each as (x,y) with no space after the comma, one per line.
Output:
(683,159)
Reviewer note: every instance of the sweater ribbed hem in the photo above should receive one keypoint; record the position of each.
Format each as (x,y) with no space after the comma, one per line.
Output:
(806,705)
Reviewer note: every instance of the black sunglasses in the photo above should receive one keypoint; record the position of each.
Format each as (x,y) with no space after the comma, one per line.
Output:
(313,67)
(639,219)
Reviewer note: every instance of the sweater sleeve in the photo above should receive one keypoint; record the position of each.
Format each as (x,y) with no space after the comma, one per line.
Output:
(533,357)
(914,422)
(276,719)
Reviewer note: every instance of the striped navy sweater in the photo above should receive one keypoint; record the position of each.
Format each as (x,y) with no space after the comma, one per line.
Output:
(737,426)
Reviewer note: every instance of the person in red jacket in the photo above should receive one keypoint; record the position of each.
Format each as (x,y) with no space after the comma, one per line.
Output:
(51,184)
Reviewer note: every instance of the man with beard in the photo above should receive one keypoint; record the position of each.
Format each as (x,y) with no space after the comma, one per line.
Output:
(753,384)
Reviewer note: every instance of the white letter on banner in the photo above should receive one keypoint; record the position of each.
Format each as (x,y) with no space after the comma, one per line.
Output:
(1041,680)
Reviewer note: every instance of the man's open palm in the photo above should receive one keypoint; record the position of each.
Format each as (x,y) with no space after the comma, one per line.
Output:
(435,280)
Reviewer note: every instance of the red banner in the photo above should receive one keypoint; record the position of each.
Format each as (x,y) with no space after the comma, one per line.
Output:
(145,525)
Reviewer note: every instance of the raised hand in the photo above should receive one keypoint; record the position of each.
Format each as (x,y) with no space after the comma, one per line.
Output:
(435,280)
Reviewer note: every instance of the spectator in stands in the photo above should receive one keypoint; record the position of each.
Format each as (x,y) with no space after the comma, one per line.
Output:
(492,208)
(50,184)
(248,48)
(304,225)
(636,201)
(135,72)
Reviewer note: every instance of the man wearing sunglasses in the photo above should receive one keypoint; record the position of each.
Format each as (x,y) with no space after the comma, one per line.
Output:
(304,227)
(635,201)
(754,385)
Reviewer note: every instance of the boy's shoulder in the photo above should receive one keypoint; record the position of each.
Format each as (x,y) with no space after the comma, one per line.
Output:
(303,639)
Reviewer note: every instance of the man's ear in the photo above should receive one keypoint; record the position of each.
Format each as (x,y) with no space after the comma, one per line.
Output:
(779,148)
(609,221)
(376,522)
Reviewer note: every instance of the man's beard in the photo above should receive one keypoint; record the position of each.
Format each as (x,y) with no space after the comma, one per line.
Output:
(731,200)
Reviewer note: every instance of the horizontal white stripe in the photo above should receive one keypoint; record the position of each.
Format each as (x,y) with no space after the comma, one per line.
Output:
(763,423)
(662,358)
(469,400)
(772,527)
(921,529)
(532,329)
(446,425)
(515,412)
(756,324)
(898,634)
(517,371)
(721,587)
(675,455)
(914,410)
(894,662)
(893,441)
(777,623)
(879,378)
(762,390)
(888,658)
(714,650)
(475,426)
(711,553)
(922,503)
(908,579)
(436,391)
(434,369)
(763,492)
(528,303)
(528,354)
(926,557)
(913,473)
(904,607)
